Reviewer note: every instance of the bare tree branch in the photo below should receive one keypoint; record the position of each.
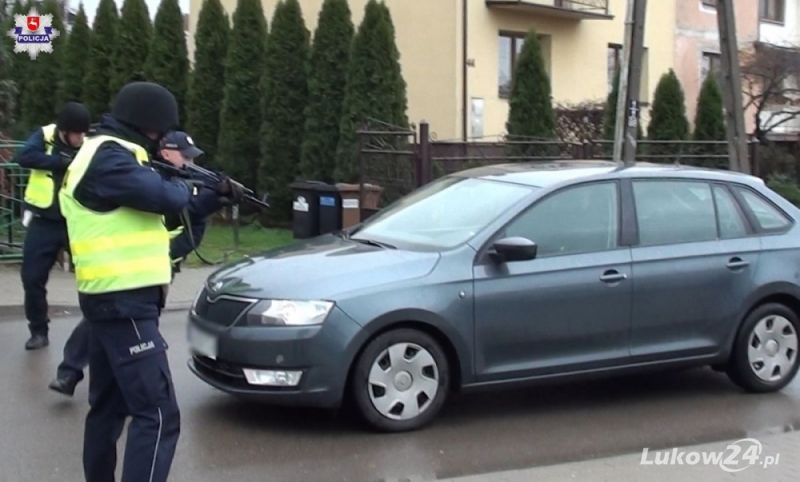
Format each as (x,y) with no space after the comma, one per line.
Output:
(771,78)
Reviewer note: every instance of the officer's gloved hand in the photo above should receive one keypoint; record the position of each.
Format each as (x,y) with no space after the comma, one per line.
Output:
(66,158)
(230,191)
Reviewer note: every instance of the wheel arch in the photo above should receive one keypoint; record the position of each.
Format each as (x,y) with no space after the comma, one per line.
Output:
(787,294)
(453,346)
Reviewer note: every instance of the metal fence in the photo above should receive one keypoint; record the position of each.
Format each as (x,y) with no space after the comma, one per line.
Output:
(13,179)
(399,160)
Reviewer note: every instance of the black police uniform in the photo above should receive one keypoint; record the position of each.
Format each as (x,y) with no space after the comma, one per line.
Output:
(47,231)
(124,381)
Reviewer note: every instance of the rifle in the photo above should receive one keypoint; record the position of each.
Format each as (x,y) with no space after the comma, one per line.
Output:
(211,176)
(248,194)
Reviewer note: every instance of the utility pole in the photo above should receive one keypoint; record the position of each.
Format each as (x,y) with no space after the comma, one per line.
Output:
(731,85)
(628,106)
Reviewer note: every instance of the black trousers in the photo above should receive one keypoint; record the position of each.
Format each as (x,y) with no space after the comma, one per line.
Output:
(43,240)
(76,350)
(76,353)
(129,376)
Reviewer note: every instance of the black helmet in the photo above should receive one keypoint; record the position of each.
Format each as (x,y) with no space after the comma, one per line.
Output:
(73,117)
(146,106)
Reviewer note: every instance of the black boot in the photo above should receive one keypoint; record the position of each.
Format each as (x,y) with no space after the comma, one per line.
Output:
(64,386)
(36,342)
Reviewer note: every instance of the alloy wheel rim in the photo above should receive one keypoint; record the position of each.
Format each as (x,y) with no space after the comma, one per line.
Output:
(403,381)
(772,348)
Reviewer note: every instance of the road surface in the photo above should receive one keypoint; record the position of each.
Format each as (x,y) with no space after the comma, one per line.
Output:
(224,439)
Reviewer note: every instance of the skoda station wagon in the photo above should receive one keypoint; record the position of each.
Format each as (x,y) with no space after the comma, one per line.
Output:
(512,274)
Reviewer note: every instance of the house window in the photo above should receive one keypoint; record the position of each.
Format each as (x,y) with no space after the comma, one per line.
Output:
(510,46)
(709,3)
(711,65)
(614,63)
(772,10)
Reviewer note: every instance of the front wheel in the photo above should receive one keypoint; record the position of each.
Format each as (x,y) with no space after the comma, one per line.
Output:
(764,357)
(401,380)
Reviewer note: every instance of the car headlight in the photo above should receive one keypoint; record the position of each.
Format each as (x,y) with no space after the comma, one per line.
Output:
(288,313)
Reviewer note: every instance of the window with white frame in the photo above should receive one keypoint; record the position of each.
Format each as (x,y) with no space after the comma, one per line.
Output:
(712,64)
(772,10)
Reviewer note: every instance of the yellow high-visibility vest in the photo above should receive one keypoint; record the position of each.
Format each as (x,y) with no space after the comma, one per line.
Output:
(41,190)
(115,251)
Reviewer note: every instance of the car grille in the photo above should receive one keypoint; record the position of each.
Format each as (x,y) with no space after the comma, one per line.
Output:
(223,311)
(228,373)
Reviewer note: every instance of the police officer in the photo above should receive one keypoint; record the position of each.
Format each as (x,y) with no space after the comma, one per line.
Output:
(47,153)
(178,149)
(114,205)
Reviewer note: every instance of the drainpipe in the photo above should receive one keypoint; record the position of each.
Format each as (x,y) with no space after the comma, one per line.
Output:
(464,70)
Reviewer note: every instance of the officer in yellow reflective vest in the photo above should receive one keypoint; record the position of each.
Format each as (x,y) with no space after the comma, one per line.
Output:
(47,153)
(114,205)
(177,149)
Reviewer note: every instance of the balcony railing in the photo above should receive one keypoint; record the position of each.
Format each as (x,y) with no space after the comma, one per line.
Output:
(577,9)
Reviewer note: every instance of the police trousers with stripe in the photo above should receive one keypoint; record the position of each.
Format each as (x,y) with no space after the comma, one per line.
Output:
(129,376)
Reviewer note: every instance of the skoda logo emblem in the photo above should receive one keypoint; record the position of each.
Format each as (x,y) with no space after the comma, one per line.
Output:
(217,286)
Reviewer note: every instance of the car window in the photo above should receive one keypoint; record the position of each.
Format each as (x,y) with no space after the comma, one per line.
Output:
(673,212)
(731,223)
(444,213)
(768,217)
(577,220)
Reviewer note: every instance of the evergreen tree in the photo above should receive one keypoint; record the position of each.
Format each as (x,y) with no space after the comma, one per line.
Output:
(238,148)
(134,32)
(530,105)
(668,120)
(284,98)
(709,122)
(207,82)
(327,81)
(709,118)
(40,101)
(375,86)
(167,59)
(17,64)
(75,59)
(97,93)
(8,90)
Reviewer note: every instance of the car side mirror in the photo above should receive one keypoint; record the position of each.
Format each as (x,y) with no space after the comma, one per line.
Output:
(515,249)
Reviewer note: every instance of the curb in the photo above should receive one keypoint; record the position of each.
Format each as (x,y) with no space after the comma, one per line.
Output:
(18,311)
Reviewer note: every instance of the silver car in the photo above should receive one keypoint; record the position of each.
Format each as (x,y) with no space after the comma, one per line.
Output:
(523,273)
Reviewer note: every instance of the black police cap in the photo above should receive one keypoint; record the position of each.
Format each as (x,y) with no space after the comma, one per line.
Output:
(73,117)
(147,106)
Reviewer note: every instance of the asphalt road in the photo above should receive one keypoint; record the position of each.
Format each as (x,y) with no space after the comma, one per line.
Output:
(224,439)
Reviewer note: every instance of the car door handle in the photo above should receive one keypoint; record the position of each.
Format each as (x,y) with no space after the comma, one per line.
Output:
(612,276)
(737,263)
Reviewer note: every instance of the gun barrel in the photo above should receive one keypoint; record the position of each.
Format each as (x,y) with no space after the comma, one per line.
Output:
(256,201)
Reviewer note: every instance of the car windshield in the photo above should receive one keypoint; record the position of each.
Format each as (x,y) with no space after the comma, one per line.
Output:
(442,214)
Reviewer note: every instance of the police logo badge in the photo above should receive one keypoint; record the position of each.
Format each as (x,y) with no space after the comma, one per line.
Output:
(33,33)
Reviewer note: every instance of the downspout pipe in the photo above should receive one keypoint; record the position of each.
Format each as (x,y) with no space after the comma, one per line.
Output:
(464,70)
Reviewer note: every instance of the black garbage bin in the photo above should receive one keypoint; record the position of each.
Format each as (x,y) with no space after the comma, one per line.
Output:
(305,209)
(330,208)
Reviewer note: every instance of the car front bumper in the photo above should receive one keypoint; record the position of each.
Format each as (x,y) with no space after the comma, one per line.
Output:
(322,353)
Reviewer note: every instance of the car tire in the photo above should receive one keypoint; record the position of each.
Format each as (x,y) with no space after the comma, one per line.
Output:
(765,353)
(392,367)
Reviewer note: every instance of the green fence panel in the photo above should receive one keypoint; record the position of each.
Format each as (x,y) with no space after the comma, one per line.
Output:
(13,180)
